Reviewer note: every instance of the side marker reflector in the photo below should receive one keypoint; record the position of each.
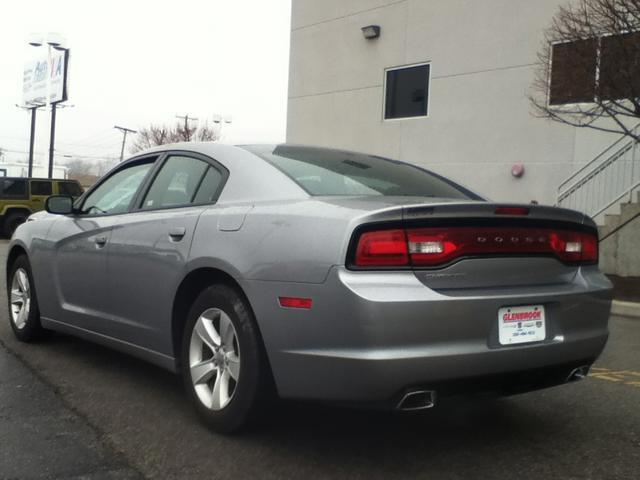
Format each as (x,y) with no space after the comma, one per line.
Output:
(295,302)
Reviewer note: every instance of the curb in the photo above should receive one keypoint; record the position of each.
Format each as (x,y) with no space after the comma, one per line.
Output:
(625,309)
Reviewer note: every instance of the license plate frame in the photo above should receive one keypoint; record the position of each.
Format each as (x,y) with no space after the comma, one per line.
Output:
(522,324)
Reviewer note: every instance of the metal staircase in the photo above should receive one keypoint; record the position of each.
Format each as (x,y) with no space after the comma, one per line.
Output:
(608,189)
(606,182)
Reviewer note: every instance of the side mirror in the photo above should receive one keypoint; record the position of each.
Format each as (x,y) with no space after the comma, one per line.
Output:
(59,204)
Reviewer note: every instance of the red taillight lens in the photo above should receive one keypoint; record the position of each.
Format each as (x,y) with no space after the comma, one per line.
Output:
(438,246)
(382,249)
(512,211)
(589,247)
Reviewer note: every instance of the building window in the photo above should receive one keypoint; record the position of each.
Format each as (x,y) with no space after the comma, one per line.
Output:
(573,72)
(407,92)
(619,67)
(605,68)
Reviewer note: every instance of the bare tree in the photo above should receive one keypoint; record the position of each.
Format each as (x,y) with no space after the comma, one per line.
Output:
(588,70)
(161,134)
(79,167)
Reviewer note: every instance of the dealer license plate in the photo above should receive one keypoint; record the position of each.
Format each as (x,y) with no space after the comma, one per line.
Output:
(521,324)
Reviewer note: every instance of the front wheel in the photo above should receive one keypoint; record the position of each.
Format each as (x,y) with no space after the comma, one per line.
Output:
(224,368)
(13,221)
(24,314)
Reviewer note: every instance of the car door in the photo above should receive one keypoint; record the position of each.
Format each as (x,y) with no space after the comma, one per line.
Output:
(150,245)
(79,244)
(40,190)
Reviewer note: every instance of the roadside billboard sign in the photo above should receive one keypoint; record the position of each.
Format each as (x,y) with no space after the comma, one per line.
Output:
(34,84)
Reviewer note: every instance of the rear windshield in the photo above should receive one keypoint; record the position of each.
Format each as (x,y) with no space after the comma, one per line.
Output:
(322,171)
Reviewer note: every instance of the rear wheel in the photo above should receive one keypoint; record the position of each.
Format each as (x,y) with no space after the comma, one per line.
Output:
(224,368)
(24,314)
(13,221)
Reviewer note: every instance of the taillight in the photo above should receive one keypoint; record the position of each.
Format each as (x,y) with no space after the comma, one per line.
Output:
(438,246)
(382,249)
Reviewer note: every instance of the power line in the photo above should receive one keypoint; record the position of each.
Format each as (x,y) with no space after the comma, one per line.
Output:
(63,153)
(124,130)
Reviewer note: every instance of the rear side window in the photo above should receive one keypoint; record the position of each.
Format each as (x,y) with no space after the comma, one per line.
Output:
(209,186)
(333,172)
(69,188)
(176,183)
(40,187)
(13,188)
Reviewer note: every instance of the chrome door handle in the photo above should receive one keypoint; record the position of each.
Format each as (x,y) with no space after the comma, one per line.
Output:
(100,241)
(177,233)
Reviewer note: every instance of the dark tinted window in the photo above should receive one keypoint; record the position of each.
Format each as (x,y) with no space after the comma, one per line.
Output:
(333,172)
(40,187)
(14,187)
(620,66)
(407,92)
(176,183)
(209,186)
(573,72)
(69,188)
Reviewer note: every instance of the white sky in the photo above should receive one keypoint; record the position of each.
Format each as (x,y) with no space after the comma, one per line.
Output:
(136,62)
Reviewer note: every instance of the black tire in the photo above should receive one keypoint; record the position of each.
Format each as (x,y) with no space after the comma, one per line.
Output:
(13,221)
(31,330)
(251,391)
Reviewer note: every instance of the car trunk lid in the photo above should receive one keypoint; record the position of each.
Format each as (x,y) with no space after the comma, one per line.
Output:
(515,252)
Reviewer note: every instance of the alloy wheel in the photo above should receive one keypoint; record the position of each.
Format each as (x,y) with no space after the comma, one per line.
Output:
(214,359)
(20,298)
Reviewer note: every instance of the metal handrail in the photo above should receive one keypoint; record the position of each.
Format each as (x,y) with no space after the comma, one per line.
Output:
(600,155)
(592,173)
(605,181)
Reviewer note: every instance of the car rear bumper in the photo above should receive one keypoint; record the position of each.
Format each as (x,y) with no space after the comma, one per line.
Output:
(371,336)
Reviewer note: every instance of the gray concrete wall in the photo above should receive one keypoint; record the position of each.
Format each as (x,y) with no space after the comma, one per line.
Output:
(620,245)
(479,124)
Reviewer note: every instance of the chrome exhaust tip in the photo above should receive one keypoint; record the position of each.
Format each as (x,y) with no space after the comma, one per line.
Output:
(578,373)
(417,400)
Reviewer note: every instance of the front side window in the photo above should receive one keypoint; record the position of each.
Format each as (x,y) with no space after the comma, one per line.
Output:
(176,183)
(407,92)
(40,187)
(115,194)
(322,171)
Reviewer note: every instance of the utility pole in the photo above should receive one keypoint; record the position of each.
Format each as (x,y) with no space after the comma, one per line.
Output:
(52,139)
(32,135)
(186,118)
(124,138)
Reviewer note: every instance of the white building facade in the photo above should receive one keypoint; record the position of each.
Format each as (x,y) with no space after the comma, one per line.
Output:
(473,121)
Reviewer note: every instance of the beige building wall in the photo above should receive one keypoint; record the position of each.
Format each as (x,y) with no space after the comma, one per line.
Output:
(482,56)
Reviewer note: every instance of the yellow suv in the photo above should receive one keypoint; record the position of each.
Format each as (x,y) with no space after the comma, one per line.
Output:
(20,197)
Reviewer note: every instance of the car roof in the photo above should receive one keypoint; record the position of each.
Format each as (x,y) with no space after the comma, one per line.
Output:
(251,178)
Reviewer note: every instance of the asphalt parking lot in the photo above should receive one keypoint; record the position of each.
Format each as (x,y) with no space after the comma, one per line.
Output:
(133,419)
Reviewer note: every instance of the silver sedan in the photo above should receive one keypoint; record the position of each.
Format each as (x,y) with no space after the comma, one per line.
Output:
(311,273)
